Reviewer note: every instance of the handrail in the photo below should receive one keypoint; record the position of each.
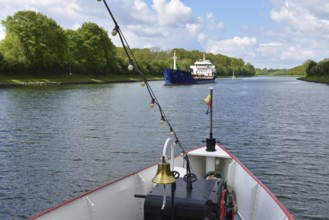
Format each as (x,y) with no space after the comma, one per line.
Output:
(165,147)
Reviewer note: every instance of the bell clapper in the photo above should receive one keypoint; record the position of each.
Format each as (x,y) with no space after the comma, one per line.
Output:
(164,197)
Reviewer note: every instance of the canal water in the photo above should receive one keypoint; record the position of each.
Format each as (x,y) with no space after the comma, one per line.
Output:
(57,142)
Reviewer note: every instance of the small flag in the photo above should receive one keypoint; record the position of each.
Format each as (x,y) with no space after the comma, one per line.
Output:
(207,100)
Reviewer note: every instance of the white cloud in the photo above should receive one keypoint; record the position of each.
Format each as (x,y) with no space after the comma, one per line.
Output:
(140,5)
(298,18)
(148,31)
(319,8)
(201,38)
(296,53)
(271,44)
(143,13)
(212,23)
(194,28)
(2,32)
(304,30)
(172,12)
(237,46)
(280,51)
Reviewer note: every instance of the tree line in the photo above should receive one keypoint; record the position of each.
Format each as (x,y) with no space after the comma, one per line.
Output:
(35,44)
(320,69)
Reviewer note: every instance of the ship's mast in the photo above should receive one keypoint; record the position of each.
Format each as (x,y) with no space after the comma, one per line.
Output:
(175,57)
(211,142)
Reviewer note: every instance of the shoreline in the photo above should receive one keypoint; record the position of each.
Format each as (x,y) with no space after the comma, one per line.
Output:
(76,80)
(40,83)
(323,80)
(48,82)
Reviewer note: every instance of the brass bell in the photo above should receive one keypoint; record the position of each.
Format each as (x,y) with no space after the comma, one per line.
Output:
(163,175)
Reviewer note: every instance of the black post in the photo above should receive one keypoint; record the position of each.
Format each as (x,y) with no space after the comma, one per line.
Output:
(211,142)
(188,174)
(173,189)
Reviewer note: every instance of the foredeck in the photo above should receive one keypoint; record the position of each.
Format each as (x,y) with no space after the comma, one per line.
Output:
(219,153)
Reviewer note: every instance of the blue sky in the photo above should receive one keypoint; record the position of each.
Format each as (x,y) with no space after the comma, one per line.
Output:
(265,33)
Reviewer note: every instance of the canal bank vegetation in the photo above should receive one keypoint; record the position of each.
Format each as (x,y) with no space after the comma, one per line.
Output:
(277,72)
(309,71)
(317,72)
(37,48)
(298,71)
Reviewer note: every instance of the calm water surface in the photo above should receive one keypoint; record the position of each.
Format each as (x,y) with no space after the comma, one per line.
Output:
(60,141)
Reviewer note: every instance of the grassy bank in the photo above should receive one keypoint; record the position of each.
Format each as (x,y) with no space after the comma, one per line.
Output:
(318,79)
(16,80)
(280,72)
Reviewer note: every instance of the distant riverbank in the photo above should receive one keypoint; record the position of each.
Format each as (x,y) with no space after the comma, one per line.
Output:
(10,81)
(317,79)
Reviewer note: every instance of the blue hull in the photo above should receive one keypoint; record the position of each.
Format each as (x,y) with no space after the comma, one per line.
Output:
(183,78)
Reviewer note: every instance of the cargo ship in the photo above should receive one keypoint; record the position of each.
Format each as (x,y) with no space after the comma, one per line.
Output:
(203,71)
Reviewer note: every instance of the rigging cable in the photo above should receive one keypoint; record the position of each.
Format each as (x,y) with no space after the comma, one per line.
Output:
(133,63)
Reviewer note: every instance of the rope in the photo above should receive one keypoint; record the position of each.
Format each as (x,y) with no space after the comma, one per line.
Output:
(133,61)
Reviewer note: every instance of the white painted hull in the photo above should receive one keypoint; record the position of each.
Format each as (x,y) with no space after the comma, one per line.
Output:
(116,200)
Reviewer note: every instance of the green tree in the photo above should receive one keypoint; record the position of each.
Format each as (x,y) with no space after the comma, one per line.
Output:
(34,42)
(250,69)
(310,70)
(91,50)
(12,56)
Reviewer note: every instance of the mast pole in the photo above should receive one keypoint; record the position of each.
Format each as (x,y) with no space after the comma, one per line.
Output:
(175,57)
(211,93)
(211,142)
